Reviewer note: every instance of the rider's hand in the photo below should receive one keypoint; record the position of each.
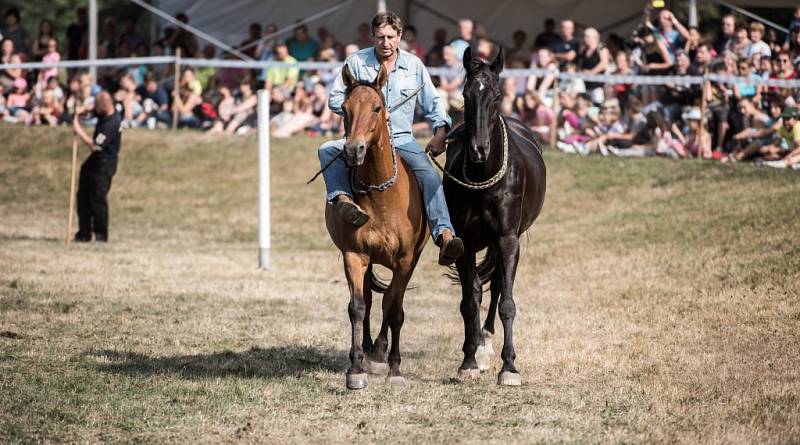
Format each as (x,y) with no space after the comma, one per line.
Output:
(436,146)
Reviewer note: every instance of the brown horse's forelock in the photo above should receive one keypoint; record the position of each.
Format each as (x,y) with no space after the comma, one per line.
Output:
(364,83)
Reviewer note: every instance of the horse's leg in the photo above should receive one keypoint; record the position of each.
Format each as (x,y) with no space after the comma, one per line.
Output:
(470,312)
(496,288)
(366,343)
(395,316)
(375,352)
(509,250)
(355,268)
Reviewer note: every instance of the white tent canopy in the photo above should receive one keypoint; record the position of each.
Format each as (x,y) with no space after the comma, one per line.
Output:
(229,20)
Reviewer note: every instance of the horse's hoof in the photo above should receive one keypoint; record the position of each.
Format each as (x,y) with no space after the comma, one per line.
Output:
(396,380)
(356,381)
(483,358)
(468,374)
(377,368)
(507,378)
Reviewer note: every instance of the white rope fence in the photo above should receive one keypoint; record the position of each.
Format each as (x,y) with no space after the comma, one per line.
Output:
(435,71)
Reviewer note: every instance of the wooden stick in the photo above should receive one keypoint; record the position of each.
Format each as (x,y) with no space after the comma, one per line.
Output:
(701,133)
(72,182)
(556,106)
(176,90)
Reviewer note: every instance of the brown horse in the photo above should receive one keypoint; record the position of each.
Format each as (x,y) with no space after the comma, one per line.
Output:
(393,237)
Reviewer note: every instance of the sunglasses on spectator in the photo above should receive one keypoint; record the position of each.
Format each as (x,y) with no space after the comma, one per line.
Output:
(784,60)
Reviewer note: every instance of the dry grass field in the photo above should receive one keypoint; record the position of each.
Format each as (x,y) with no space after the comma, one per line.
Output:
(658,301)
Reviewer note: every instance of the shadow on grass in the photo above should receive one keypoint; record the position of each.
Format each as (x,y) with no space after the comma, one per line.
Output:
(280,361)
(49,239)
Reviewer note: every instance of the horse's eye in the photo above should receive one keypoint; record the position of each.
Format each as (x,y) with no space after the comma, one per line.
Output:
(377,109)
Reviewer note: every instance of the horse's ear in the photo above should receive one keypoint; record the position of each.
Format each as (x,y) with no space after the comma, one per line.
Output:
(347,76)
(467,59)
(497,65)
(382,77)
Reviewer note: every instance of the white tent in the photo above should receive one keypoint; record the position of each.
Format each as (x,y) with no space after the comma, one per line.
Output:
(229,20)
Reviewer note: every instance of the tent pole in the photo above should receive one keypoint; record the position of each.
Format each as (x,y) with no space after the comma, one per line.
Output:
(693,13)
(93,39)
(381,6)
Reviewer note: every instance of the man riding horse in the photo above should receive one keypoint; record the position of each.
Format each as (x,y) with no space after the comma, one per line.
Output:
(407,78)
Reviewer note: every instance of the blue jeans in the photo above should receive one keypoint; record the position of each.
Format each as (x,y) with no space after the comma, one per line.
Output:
(337,181)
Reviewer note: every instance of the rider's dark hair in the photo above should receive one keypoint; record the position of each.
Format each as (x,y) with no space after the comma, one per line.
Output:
(387,18)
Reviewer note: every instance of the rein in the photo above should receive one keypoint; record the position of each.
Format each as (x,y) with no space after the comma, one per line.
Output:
(386,184)
(483,185)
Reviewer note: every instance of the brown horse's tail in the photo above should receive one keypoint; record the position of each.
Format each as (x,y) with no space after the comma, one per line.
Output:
(486,267)
(375,282)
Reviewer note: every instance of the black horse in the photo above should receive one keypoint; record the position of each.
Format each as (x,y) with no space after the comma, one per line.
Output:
(495,185)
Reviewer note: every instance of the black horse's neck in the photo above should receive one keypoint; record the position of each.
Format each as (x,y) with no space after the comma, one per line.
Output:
(477,172)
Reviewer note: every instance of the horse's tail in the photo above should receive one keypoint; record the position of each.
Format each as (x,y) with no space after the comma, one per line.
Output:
(485,270)
(375,282)
(487,267)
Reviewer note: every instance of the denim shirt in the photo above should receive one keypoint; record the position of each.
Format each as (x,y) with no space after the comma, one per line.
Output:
(408,74)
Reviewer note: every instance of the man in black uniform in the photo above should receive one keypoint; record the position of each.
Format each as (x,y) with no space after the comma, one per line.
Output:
(98,169)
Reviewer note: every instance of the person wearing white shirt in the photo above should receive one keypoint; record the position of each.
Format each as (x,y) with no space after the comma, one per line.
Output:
(758,45)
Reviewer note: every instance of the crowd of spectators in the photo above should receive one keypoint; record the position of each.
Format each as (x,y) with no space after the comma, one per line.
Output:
(725,121)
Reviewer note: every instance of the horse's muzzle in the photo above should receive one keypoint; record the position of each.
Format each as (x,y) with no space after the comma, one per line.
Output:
(354,152)
(477,154)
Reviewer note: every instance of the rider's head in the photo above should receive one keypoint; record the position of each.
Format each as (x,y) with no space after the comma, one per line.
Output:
(387,28)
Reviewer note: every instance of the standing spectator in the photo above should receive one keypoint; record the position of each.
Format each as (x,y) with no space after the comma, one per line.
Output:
(51,56)
(741,42)
(266,45)
(786,69)
(205,74)
(282,78)
(519,56)
(8,55)
(566,48)
(692,42)
(541,84)
(183,39)
(301,46)
(16,33)
(451,86)
(76,33)
(414,47)
(548,37)
(465,38)
(703,58)
(758,45)
(364,39)
(129,34)
(40,45)
(437,50)
(249,46)
(747,89)
(672,31)
(655,61)
(725,40)
(678,96)
(593,59)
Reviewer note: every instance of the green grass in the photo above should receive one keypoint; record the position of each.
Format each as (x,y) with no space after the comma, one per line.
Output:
(658,301)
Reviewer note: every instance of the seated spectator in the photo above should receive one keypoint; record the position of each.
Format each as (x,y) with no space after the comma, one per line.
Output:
(244,110)
(785,69)
(307,111)
(519,55)
(692,141)
(632,132)
(717,97)
(465,38)
(130,101)
(678,96)
(155,103)
(609,123)
(189,80)
(575,124)
(692,42)
(3,108)
(47,111)
(534,113)
(439,42)
(206,74)
(508,99)
(764,135)
(620,91)
(185,101)
(18,101)
(747,88)
(787,153)
(225,109)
